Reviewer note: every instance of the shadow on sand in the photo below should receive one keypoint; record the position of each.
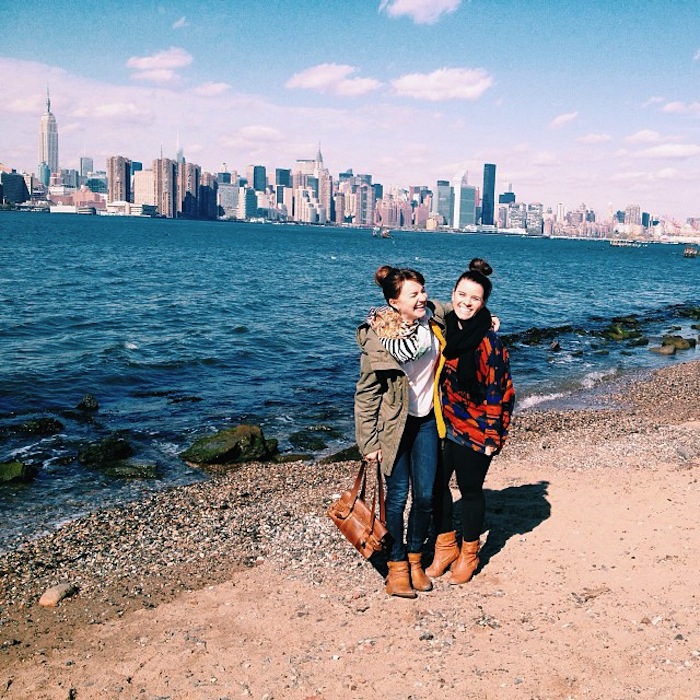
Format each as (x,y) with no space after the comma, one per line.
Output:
(512,511)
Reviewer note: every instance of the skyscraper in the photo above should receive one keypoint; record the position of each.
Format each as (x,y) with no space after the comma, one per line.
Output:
(118,179)
(489,194)
(165,186)
(442,202)
(48,139)
(464,203)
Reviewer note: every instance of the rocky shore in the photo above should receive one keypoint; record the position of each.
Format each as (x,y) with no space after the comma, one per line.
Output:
(585,589)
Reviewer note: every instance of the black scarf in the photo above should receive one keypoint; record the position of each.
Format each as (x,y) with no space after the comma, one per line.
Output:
(463,338)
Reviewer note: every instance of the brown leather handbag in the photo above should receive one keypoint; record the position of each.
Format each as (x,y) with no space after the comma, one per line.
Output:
(363,528)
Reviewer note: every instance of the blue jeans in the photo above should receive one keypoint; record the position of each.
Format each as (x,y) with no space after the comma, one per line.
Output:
(416,465)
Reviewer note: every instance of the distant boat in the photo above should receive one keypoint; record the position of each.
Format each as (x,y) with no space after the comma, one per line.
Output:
(381,232)
(619,243)
(691,251)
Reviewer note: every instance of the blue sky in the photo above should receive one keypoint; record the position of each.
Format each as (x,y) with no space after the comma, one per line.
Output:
(576,102)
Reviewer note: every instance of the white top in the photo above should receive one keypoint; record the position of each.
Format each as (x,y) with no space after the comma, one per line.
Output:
(421,374)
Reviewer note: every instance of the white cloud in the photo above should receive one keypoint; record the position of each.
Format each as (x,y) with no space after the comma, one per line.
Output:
(444,84)
(253,135)
(161,75)
(696,56)
(112,110)
(160,67)
(670,150)
(644,136)
(211,89)
(182,22)
(693,109)
(333,78)
(562,119)
(23,104)
(420,11)
(594,138)
(545,158)
(669,174)
(630,176)
(654,100)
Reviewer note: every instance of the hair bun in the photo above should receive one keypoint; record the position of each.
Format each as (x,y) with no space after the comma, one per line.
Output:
(381,274)
(480,265)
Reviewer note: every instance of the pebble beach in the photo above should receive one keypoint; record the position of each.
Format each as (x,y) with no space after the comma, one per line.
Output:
(241,586)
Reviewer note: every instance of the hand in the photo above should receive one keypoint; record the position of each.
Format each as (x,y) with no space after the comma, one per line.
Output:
(374,456)
(495,323)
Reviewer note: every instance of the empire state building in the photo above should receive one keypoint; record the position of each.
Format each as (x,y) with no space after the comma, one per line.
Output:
(48,141)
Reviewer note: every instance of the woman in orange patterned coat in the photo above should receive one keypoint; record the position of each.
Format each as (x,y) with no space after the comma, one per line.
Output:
(477,400)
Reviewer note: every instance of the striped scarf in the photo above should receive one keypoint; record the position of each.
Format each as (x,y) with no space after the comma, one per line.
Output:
(405,342)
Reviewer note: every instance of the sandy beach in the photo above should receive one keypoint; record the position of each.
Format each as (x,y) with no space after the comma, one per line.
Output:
(588,586)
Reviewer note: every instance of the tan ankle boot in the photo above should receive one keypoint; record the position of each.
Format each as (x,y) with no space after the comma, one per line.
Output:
(465,566)
(398,582)
(446,551)
(419,580)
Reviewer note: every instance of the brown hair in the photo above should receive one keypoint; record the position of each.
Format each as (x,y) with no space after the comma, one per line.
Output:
(391,279)
(478,272)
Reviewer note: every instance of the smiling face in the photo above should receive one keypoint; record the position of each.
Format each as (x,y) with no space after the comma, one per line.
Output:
(467,299)
(411,302)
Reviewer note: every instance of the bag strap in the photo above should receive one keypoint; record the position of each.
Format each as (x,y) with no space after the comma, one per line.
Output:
(380,489)
(378,495)
(358,488)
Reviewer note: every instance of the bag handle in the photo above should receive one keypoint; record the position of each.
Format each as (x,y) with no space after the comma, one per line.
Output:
(378,491)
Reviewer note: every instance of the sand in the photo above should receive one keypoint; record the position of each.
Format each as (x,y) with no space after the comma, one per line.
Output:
(588,587)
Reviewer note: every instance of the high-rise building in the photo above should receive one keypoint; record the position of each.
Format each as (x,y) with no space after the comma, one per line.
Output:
(48,139)
(207,196)
(465,197)
(118,179)
(442,202)
(283,176)
(633,214)
(86,167)
(188,177)
(144,188)
(14,188)
(488,194)
(257,177)
(165,186)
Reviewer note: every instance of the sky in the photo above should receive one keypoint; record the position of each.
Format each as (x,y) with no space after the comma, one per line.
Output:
(587,102)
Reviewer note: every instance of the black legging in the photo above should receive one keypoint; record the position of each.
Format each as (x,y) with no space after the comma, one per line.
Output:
(470,468)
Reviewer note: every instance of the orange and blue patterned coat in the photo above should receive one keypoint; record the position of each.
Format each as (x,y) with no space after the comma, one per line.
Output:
(479,422)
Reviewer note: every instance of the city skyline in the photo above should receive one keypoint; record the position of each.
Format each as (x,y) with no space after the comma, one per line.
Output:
(410,91)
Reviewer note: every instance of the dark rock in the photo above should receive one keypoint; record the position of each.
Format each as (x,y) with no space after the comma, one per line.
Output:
(128,470)
(313,438)
(555,346)
(664,349)
(88,403)
(242,443)
(678,342)
(638,342)
(105,452)
(349,454)
(293,457)
(307,440)
(691,312)
(534,336)
(40,426)
(621,331)
(17,471)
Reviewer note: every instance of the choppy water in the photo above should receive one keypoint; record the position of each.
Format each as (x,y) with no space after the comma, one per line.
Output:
(179,328)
